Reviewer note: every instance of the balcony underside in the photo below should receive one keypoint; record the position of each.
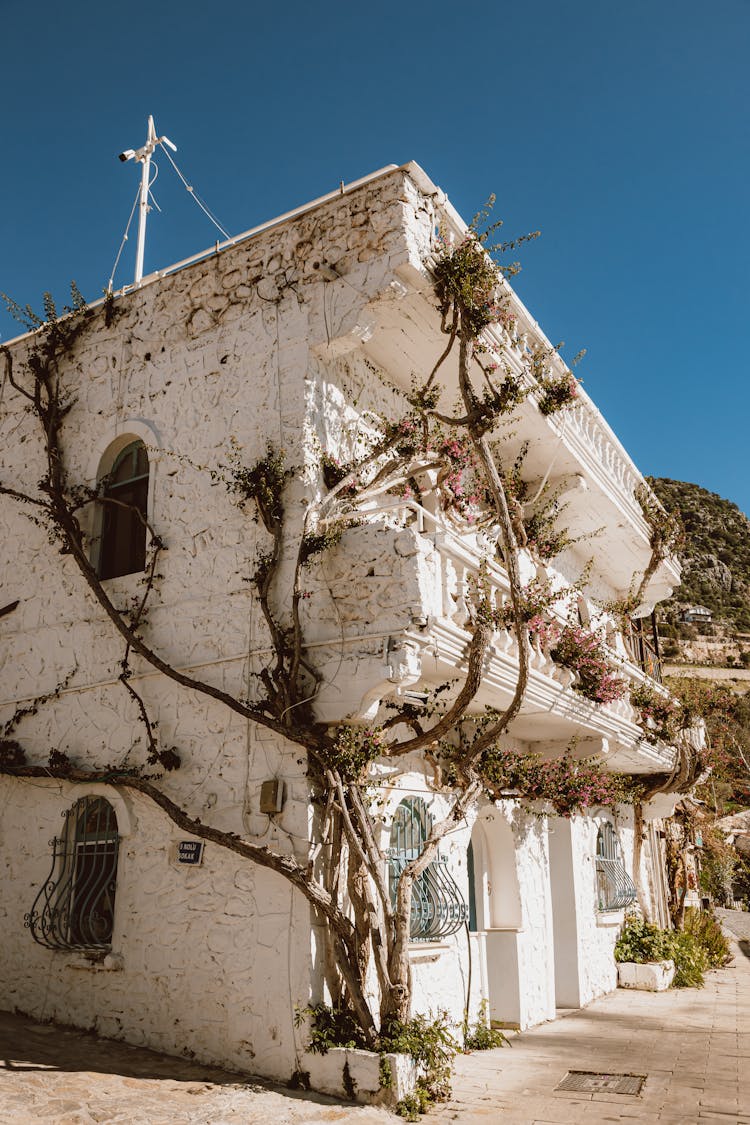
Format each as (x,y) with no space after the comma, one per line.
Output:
(575,452)
(553,715)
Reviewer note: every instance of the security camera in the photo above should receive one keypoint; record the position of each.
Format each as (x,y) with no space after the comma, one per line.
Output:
(128,154)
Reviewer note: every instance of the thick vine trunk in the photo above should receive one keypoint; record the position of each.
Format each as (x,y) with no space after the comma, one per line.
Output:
(638,830)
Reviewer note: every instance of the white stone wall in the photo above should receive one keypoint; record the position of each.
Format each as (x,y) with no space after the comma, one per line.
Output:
(244,348)
(221,355)
(193,949)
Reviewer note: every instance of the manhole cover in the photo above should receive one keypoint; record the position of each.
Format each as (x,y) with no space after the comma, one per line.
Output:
(587,1081)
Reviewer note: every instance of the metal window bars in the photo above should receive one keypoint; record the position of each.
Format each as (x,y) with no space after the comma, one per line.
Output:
(75,907)
(614,887)
(437,905)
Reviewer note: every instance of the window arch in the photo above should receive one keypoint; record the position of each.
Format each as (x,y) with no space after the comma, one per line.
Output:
(75,906)
(437,906)
(124,507)
(614,887)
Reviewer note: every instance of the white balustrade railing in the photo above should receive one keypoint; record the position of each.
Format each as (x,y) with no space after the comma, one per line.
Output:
(581,424)
(464,564)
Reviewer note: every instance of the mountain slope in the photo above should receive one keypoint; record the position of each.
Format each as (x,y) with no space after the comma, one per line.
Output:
(716,555)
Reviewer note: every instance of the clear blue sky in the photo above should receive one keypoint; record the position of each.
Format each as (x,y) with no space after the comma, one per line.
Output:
(621,130)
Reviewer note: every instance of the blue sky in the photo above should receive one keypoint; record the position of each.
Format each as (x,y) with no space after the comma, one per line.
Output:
(620,130)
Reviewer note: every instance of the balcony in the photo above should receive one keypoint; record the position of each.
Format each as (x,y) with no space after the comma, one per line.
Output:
(410,580)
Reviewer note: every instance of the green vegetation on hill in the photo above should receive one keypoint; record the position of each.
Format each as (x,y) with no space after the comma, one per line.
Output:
(716,555)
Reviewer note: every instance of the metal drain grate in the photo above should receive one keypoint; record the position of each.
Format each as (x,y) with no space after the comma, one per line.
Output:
(588,1082)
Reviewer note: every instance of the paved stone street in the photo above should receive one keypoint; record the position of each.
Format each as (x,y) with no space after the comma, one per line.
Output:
(692,1046)
(62,1077)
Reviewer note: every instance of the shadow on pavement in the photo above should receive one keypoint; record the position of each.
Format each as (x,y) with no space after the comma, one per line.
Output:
(26,1045)
(744,945)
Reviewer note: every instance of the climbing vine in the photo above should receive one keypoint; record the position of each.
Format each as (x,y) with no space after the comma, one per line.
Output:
(452,450)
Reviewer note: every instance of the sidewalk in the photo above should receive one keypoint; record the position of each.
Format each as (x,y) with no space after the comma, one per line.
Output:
(57,1076)
(692,1045)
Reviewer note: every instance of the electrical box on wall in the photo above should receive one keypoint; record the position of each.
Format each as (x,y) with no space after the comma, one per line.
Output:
(272,796)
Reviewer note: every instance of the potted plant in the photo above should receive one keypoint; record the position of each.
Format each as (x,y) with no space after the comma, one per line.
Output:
(643,955)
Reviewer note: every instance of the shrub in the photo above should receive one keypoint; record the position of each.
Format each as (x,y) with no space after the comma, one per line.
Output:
(428,1042)
(709,934)
(642,941)
(433,1049)
(331,1027)
(701,945)
(690,960)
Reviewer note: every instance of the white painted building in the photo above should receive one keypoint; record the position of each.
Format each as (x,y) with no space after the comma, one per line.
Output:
(295,333)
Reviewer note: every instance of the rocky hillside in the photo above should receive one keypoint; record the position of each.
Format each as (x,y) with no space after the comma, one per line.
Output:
(715,558)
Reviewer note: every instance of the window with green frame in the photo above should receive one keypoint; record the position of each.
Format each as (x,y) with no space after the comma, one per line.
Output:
(437,905)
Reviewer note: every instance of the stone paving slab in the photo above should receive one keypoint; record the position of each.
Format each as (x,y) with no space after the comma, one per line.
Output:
(57,1076)
(690,1044)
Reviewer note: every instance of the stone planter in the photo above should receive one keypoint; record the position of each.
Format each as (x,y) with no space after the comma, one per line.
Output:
(652,976)
(360,1076)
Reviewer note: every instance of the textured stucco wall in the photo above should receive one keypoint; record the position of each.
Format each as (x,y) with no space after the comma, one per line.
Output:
(249,346)
(229,353)
(193,948)
(597,931)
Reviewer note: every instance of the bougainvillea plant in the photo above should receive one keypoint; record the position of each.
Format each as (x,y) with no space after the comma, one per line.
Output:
(659,713)
(584,652)
(557,392)
(570,786)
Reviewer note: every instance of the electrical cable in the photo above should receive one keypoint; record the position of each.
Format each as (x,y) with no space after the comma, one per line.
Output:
(110,284)
(191,190)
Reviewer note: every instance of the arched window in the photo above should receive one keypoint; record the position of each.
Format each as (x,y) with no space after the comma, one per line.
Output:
(437,906)
(614,887)
(75,907)
(124,504)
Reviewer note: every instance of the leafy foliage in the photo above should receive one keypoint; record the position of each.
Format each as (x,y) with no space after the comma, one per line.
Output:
(354,749)
(571,786)
(584,653)
(262,482)
(331,1026)
(702,925)
(557,392)
(699,946)
(642,941)
(727,718)
(659,714)
(481,1036)
(433,1048)
(428,1042)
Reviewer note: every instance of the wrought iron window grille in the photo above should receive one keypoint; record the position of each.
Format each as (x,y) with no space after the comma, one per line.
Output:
(614,888)
(437,905)
(75,907)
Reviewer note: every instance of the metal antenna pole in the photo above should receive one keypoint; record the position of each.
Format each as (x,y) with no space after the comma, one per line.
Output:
(143,208)
(143,156)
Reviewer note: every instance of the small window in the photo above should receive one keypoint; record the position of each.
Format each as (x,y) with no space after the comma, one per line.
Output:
(437,906)
(124,504)
(76,906)
(614,887)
